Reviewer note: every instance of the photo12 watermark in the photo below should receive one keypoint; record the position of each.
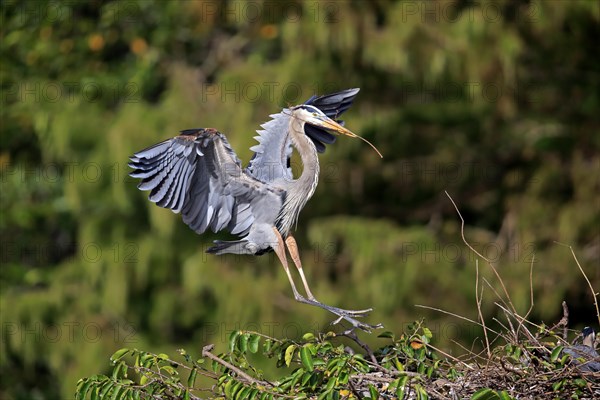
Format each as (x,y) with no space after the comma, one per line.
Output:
(63,12)
(271,91)
(488,12)
(71,92)
(69,332)
(459,252)
(30,253)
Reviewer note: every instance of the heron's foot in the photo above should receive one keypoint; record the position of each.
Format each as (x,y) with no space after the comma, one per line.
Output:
(352,313)
(346,315)
(356,324)
(336,310)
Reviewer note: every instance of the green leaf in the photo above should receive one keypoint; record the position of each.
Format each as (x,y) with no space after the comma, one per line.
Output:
(243,343)
(116,392)
(117,355)
(373,392)
(296,376)
(308,336)
(503,395)
(192,378)
(243,394)
(264,396)
(236,387)
(232,339)
(147,360)
(253,394)
(105,389)
(127,393)
(117,370)
(427,332)
(306,357)
(289,354)
(253,343)
(82,393)
(267,345)
(421,392)
(163,356)
(386,334)
(557,385)
(556,353)
(228,389)
(169,369)
(401,386)
(305,378)
(399,366)
(222,379)
(94,394)
(330,385)
(580,382)
(485,394)
(323,395)
(343,378)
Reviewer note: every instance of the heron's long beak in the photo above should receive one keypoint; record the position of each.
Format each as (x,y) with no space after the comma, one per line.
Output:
(329,124)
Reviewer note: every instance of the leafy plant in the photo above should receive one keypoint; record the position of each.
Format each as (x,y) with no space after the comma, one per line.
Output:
(320,366)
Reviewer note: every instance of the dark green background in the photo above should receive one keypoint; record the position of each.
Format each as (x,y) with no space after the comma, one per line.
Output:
(497,103)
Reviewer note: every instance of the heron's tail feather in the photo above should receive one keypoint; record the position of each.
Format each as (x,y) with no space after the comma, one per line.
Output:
(233,247)
(243,246)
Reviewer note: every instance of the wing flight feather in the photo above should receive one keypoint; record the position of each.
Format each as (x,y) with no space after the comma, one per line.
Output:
(198,175)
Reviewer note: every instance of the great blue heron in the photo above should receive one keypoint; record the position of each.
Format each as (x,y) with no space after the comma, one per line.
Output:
(198,174)
(585,355)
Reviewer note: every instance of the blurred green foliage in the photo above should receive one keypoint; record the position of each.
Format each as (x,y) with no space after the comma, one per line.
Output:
(497,103)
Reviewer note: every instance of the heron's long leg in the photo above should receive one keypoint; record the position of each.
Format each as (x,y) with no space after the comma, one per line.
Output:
(280,251)
(293,249)
(346,315)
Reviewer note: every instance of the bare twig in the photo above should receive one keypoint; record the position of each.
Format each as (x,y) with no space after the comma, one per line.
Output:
(521,319)
(457,316)
(450,356)
(352,335)
(462,228)
(478,300)
(565,318)
(462,233)
(530,293)
(563,323)
(594,294)
(372,378)
(206,353)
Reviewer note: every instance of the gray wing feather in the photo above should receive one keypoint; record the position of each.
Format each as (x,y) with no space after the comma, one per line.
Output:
(198,174)
(274,148)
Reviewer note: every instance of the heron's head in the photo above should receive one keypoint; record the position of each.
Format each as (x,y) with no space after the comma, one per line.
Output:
(313,116)
(589,336)
(320,128)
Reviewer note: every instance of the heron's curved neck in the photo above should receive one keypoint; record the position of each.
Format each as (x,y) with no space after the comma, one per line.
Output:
(307,182)
(301,189)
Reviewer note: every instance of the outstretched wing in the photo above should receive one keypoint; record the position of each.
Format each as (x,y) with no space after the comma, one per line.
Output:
(271,159)
(198,174)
